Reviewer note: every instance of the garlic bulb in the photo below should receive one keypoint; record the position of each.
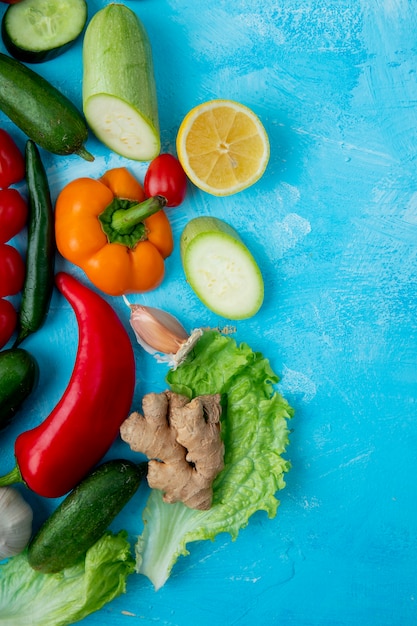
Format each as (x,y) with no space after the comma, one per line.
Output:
(161,334)
(15,522)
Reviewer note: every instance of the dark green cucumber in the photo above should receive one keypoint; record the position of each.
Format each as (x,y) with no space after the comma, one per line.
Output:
(84,515)
(40,256)
(18,377)
(35,31)
(40,110)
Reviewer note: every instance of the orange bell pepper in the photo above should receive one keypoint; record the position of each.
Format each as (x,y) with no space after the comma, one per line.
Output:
(109,229)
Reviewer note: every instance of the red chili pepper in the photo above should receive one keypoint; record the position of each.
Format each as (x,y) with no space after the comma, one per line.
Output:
(56,455)
(12,162)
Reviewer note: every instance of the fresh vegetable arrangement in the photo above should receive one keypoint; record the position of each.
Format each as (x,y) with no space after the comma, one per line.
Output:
(210,447)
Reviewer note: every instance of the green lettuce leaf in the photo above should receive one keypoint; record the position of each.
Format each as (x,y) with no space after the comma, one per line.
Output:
(255,434)
(29,597)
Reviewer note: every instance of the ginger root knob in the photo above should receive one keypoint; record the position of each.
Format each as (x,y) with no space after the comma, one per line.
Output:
(182,441)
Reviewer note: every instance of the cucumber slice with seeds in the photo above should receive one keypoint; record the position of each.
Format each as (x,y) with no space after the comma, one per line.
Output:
(34,31)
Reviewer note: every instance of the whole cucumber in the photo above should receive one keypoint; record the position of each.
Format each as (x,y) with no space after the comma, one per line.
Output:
(40,110)
(18,377)
(84,515)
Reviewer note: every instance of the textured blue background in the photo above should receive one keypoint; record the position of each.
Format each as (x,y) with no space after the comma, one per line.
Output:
(333,224)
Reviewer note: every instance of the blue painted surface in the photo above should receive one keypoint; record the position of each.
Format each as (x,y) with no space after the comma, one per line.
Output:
(333,224)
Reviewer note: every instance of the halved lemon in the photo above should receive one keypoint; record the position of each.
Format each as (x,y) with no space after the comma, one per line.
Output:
(222,146)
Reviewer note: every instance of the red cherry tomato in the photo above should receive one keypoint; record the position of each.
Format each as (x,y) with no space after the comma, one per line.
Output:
(12,162)
(8,321)
(165,177)
(13,214)
(12,270)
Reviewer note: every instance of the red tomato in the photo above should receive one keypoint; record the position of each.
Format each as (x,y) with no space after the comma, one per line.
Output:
(165,177)
(12,162)
(12,270)
(13,214)
(8,321)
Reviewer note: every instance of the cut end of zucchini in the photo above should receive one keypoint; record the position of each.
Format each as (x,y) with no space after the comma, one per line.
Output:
(220,269)
(121,128)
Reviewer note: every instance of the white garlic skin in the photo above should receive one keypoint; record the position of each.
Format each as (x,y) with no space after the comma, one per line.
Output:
(16,518)
(161,334)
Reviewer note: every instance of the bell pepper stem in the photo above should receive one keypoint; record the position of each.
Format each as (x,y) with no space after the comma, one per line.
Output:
(11,478)
(124,219)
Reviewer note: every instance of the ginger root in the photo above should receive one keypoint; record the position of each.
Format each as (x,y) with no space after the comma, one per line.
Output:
(181,439)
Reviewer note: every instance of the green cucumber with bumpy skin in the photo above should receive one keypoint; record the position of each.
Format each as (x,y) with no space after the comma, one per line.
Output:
(40,110)
(35,31)
(19,375)
(119,90)
(84,515)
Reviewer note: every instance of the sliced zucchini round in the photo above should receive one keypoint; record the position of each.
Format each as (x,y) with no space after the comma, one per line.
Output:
(34,31)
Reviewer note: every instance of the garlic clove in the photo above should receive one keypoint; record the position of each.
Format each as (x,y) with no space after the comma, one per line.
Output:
(161,334)
(16,518)
(157,329)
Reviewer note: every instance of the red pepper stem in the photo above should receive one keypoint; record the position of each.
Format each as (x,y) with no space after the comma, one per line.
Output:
(124,219)
(11,478)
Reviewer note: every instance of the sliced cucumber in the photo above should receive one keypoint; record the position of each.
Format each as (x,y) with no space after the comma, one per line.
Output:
(34,31)
(220,269)
(119,91)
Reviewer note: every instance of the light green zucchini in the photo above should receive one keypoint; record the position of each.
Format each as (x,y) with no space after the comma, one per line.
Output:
(119,90)
(220,269)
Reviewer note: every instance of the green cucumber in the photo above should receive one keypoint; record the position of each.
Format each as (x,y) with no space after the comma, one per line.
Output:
(220,269)
(40,255)
(84,515)
(35,31)
(40,110)
(18,378)
(119,91)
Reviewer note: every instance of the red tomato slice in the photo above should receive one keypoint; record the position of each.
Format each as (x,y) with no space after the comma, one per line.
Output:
(8,321)
(12,161)
(13,214)
(12,270)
